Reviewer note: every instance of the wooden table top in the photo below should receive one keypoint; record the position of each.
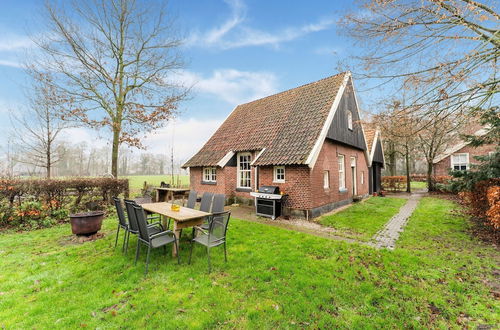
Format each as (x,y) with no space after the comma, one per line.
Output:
(184,214)
(173,189)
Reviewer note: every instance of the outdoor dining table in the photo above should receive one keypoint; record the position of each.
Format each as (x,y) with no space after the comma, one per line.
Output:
(184,218)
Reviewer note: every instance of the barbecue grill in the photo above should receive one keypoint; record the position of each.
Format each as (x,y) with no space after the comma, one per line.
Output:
(268,201)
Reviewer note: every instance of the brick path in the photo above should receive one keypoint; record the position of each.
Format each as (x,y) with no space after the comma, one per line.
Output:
(387,236)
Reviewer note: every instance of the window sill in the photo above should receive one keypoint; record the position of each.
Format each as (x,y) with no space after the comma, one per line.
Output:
(343,190)
(278,181)
(209,183)
(244,189)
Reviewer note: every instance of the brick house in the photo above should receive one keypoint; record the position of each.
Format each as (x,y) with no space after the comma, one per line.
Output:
(376,159)
(307,140)
(460,156)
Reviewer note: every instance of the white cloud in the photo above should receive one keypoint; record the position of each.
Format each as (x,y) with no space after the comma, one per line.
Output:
(234,34)
(187,136)
(233,86)
(13,47)
(77,135)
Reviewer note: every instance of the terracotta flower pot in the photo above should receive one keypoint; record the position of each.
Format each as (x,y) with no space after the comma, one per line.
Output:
(86,223)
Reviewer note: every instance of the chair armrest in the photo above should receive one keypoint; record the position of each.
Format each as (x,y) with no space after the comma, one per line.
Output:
(163,233)
(156,224)
(149,217)
(201,229)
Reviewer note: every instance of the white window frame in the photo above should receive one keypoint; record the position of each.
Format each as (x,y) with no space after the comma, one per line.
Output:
(460,163)
(326,179)
(349,119)
(362,177)
(239,171)
(279,177)
(210,174)
(341,165)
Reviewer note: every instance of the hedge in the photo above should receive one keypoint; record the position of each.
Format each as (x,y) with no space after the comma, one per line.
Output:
(483,201)
(38,202)
(398,182)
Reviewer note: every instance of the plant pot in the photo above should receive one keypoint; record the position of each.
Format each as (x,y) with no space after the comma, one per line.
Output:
(86,223)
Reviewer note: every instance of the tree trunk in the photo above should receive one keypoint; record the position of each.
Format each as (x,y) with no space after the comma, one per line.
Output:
(48,165)
(430,183)
(408,178)
(392,159)
(114,152)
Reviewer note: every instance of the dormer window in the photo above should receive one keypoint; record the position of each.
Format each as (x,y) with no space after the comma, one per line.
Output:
(349,120)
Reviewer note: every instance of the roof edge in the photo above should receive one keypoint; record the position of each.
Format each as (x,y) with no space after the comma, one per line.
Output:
(313,155)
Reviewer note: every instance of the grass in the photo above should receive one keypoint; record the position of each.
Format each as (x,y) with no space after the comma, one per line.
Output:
(418,185)
(362,220)
(136,182)
(275,278)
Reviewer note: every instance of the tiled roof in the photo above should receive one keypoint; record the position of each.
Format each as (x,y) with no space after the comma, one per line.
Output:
(369,135)
(286,124)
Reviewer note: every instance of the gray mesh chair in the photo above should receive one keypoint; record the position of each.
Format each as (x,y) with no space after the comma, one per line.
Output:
(122,222)
(218,203)
(153,228)
(193,195)
(151,241)
(206,201)
(214,236)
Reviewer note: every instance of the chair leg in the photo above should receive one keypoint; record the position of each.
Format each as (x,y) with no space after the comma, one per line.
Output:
(208,255)
(128,241)
(117,233)
(190,253)
(147,260)
(125,241)
(225,252)
(137,250)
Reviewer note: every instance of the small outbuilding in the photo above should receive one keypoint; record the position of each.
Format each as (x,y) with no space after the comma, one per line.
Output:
(376,159)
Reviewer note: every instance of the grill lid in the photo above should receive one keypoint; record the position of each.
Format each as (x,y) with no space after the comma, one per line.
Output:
(269,190)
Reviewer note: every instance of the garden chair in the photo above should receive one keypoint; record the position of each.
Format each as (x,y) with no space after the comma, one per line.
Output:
(122,222)
(153,228)
(214,236)
(217,207)
(193,195)
(151,241)
(206,201)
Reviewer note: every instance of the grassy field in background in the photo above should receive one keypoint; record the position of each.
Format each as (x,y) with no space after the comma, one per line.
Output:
(274,278)
(136,182)
(362,220)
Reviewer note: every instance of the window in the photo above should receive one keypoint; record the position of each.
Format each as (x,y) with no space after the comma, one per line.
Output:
(209,174)
(460,162)
(341,172)
(279,174)
(349,120)
(362,177)
(326,179)
(244,170)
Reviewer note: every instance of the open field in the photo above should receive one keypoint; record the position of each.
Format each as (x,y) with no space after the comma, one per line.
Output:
(274,278)
(362,220)
(136,182)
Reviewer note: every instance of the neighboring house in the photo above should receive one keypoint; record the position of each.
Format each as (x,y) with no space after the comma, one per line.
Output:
(376,159)
(307,140)
(461,156)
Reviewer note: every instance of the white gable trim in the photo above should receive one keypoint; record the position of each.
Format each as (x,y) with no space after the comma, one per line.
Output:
(376,138)
(257,157)
(448,152)
(225,159)
(313,155)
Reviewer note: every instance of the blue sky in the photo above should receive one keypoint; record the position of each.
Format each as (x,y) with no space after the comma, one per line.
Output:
(236,51)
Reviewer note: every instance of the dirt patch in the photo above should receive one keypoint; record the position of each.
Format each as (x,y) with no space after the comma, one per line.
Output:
(80,239)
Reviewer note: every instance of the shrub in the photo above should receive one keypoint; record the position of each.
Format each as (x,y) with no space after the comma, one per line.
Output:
(493,213)
(479,201)
(36,203)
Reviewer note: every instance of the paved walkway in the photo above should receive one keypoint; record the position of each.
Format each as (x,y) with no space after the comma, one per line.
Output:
(387,236)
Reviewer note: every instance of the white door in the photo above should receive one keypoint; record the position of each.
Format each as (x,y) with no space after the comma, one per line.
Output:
(354,177)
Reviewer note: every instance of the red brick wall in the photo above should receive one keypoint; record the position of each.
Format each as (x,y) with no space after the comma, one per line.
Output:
(303,185)
(444,166)
(327,160)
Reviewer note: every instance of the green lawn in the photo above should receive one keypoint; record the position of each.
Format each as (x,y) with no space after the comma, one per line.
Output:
(275,278)
(418,185)
(136,182)
(362,220)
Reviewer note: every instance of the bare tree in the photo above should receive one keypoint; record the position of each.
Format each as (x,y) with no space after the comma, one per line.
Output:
(446,50)
(37,130)
(435,137)
(114,59)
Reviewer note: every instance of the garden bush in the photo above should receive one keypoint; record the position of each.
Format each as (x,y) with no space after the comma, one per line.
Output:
(483,201)
(36,203)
